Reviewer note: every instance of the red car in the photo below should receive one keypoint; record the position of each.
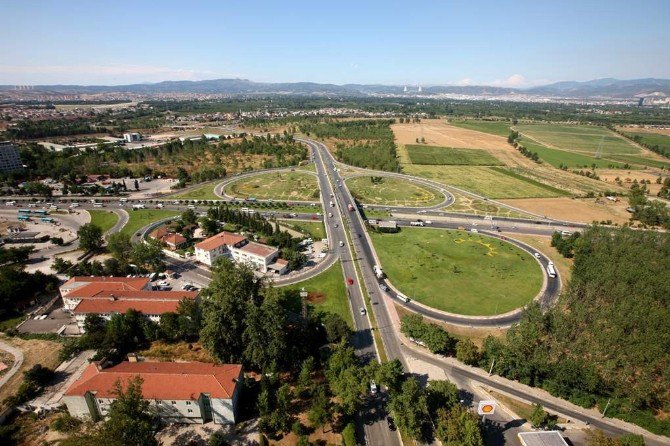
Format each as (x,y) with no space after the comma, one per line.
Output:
(350,281)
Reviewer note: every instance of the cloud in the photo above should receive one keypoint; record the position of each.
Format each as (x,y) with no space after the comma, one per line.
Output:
(464,82)
(515,80)
(103,74)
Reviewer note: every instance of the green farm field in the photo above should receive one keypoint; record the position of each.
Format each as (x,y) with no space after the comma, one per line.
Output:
(393,192)
(433,155)
(105,220)
(651,139)
(457,271)
(492,182)
(500,128)
(581,139)
(296,185)
(142,217)
(562,157)
(327,293)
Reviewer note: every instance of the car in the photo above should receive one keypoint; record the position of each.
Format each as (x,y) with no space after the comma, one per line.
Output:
(373,387)
(341,243)
(537,255)
(383,287)
(350,281)
(391,424)
(474,231)
(74,205)
(362,311)
(336,225)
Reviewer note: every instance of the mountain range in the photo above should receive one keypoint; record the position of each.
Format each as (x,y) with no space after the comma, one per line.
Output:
(599,88)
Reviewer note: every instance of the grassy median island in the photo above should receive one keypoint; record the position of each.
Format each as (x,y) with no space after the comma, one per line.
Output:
(295,185)
(393,192)
(105,220)
(204,192)
(457,271)
(327,293)
(142,217)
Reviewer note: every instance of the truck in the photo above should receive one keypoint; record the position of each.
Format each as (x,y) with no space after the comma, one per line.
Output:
(403,298)
(416,223)
(138,206)
(350,207)
(551,271)
(378,271)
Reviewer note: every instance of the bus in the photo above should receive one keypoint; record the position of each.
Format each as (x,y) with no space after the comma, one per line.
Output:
(24,211)
(41,212)
(24,218)
(47,220)
(551,271)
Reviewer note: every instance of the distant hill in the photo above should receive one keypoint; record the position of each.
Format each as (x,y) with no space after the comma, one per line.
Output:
(599,88)
(609,88)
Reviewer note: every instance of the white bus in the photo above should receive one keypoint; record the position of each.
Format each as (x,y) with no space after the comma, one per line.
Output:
(550,270)
(403,297)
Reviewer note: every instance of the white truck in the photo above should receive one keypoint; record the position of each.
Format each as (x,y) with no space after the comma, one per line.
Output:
(378,271)
(403,298)
(416,223)
(551,271)
(138,206)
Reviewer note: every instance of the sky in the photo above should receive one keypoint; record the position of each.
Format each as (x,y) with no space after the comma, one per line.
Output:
(518,43)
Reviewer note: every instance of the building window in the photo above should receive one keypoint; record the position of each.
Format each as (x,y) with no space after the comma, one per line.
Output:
(173,403)
(188,403)
(190,411)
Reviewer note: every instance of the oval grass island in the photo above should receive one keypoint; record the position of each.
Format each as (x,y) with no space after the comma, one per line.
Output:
(457,271)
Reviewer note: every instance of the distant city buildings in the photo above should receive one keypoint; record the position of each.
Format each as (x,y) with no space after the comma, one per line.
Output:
(10,160)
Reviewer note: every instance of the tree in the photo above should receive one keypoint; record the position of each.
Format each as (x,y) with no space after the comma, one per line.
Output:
(540,418)
(119,245)
(264,333)
(441,394)
(189,217)
(305,382)
(137,185)
(336,327)
(90,237)
(61,265)
(320,412)
(218,438)
(467,352)
(458,427)
(390,374)
(410,408)
(148,255)
(130,422)
(224,307)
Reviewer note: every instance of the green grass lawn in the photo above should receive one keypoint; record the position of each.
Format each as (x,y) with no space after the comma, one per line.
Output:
(421,154)
(500,128)
(393,192)
(492,182)
(583,139)
(142,217)
(457,271)
(562,157)
(205,192)
(314,229)
(327,293)
(295,185)
(642,161)
(105,220)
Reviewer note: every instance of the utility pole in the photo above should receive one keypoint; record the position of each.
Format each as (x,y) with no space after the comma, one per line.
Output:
(491,369)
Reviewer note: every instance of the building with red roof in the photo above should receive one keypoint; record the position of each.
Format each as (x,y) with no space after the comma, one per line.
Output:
(106,296)
(181,392)
(237,248)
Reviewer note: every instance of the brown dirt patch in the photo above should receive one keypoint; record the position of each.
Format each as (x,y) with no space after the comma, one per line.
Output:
(34,352)
(628,176)
(316,298)
(584,210)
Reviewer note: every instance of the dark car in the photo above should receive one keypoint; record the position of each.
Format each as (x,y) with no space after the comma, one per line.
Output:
(391,424)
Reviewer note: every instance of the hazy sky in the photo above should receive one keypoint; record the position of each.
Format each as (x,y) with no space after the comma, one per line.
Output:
(497,42)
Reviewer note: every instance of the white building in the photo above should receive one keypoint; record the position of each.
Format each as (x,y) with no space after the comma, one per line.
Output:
(132,137)
(180,392)
(236,248)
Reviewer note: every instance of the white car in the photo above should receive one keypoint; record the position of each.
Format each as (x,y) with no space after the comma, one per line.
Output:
(537,255)
(341,243)
(373,387)
(474,231)
(74,205)
(362,310)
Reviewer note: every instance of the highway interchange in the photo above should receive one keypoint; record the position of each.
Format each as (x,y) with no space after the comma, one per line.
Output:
(357,250)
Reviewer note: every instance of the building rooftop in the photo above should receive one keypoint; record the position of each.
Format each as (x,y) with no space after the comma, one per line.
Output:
(220,239)
(107,306)
(548,438)
(259,249)
(136,283)
(161,380)
(173,239)
(100,291)
(159,232)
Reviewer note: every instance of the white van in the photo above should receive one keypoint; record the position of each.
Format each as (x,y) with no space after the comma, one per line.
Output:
(97,205)
(191,207)
(138,206)
(10,203)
